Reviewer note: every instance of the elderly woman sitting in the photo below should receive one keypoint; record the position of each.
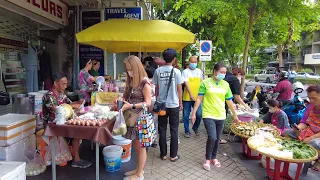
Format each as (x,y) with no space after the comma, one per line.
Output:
(308,130)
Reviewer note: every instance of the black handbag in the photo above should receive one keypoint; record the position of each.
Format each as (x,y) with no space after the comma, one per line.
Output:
(162,106)
(4,98)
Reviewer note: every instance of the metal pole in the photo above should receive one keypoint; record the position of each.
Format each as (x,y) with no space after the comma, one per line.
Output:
(203,68)
(53,155)
(97,161)
(114,65)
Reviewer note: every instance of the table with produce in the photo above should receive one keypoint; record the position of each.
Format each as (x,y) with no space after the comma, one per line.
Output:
(283,151)
(95,124)
(247,129)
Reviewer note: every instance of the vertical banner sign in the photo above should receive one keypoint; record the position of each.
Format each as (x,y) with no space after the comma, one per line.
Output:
(90,18)
(205,50)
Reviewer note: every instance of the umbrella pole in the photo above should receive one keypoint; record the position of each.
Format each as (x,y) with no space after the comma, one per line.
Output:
(114,65)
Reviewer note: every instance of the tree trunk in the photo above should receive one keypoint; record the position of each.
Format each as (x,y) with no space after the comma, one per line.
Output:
(280,50)
(246,50)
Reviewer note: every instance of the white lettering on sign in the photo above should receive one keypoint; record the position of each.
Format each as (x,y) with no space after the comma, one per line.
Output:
(54,10)
(132,16)
(117,11)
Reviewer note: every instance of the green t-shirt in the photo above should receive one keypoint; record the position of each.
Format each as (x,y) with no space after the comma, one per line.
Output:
(214,95)
(94,73)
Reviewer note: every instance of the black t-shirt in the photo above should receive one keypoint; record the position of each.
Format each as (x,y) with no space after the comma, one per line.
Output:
(234,83)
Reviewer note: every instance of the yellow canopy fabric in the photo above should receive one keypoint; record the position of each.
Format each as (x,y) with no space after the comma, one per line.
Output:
(124,35)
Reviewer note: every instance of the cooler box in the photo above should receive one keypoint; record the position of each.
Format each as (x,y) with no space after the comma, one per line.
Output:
(16,151)
(12,170)
(14,127)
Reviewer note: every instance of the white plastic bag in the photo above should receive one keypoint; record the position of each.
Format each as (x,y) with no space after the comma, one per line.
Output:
(35,164)
(63,153)
(120,127)
(60,115)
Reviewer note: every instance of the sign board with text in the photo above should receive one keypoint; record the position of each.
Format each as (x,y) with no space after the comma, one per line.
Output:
(205,50)
(124,13)
(54,10)
(90,18)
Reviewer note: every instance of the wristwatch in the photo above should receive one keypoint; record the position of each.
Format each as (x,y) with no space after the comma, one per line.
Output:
(133,106)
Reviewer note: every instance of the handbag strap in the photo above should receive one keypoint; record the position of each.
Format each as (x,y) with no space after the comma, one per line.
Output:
(170,80)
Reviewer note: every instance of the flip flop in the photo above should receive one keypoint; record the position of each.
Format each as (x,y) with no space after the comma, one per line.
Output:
(130,173)
(216,163)
(163,158)
(206,166)
(175,159)
(222,141)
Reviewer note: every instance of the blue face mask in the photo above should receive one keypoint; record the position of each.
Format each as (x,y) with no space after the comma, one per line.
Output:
(220,76)
(193,65)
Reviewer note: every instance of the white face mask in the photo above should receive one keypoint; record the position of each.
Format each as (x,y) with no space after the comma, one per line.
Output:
(239,78)
(130,74)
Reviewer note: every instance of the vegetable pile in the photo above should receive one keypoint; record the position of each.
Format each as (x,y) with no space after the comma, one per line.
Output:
(300,149)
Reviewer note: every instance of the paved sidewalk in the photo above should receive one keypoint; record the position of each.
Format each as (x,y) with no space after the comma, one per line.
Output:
(189,166)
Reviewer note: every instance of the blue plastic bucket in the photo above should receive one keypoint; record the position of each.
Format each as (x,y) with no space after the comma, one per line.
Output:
(112,158)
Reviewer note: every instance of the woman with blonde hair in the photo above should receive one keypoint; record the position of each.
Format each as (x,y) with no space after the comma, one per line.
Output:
(137,94)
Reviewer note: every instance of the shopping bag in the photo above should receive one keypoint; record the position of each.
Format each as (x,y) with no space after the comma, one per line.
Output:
(63,153)
(146,128)
(35,164)
(120,127)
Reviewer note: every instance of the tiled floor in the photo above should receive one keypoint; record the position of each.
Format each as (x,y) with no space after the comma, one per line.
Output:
(188,167)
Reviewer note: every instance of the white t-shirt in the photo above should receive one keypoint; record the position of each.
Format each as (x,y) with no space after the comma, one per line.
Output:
(188,73)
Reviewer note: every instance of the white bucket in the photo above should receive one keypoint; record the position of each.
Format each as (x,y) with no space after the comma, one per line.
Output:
(126,146)
(43,91)
(112,158)
(37,101)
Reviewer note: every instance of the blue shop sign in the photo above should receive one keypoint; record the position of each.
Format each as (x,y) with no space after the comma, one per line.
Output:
(123,13)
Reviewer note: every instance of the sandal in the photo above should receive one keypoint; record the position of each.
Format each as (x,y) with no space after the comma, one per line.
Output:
(206,166)
(216,163)
(130,173)
(175,159)
(222,141)
(163,158)
(134,177)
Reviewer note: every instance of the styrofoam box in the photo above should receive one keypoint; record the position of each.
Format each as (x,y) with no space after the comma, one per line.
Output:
(12,170)
(14,127)
(16,151)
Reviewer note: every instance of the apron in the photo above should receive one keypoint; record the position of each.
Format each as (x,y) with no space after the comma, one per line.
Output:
(314,125)
(274,121)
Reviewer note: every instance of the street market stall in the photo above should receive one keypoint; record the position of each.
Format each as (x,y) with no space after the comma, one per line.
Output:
(247,129)
(283,151)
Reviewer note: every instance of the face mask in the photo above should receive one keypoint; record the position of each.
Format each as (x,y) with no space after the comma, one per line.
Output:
(271,110)
(193,65)
(130,74)
(220,76)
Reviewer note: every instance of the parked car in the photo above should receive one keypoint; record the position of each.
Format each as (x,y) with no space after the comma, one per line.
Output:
(269,75)
(307,75)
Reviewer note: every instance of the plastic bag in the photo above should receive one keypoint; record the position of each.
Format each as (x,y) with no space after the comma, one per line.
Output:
(120,127)
(63,153)
(60,115)
(35,164)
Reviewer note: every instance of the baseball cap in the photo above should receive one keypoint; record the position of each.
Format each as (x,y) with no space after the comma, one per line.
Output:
(169,54)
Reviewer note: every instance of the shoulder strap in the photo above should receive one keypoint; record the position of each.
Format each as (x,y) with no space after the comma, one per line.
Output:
(170,80)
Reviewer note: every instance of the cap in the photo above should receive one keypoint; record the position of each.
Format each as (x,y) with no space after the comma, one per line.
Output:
(169,54)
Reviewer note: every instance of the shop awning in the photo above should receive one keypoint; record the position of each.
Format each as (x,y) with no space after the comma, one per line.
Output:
(123,35)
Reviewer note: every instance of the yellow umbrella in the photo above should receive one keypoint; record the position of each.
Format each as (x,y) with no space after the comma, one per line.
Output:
(123,35)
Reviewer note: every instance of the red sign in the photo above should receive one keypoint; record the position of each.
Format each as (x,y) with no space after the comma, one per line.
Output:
(54,10)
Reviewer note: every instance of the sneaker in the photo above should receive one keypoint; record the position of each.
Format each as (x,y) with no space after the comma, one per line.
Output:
(187,135)
(197,132)
(81,164)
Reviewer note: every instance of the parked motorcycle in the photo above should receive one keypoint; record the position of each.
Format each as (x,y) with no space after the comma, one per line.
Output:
(296,108)
(260,95)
